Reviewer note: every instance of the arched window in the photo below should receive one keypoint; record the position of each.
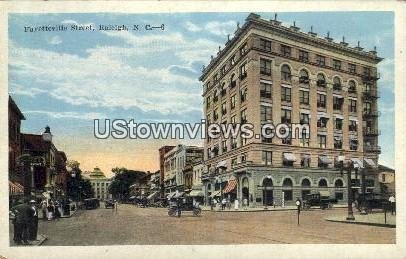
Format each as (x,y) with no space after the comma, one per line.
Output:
(321,80)
(223,89)
(285,73)
(267,182)
(305,183)
(352,86)
(233,81)
(322,183)
(287,182)
(338,183)
(336,83)
(303,77)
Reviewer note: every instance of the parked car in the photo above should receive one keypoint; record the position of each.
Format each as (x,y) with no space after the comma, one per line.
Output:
(109,204)
(319,199)
(370,202)
(177,205)
(91,203)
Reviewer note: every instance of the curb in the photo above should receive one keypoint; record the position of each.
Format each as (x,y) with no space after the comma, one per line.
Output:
(364,223)
(268,210)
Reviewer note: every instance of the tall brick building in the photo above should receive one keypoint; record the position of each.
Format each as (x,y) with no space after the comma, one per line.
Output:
(269,73)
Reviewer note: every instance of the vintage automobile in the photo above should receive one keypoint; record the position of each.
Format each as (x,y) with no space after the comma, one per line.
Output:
(370,202)
(109,204)
(179,204)
(319,199)
(91,203)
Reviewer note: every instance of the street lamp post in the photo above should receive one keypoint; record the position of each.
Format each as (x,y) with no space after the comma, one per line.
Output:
(349,168)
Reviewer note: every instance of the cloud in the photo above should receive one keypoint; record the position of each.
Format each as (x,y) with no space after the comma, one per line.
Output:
(56,40)
(68,115)
(214,27)
(107,76)
(386,70)
(18,89)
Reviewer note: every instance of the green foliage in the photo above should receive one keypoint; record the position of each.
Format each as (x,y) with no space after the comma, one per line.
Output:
(123,179)
(78,187)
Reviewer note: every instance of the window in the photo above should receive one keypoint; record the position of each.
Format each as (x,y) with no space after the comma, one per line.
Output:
(243,116)
(232,60)
(305,160)
(208,102)
(266,113)
(336,84)
(322,122)
(337,103)
(233,119)
(321,80)
(285,73)
(234,161)
(285,50)
(243,140)
(303,56)
(352,126)
(265,90)
(243,95)
(265,67)
(265,44)
(266,157)
(338,142)
(352,107)
(215,96)
(336,64)
(338,125)
(224,146)
(287,189)
(367,71)
(286,94)
(233,82)
(338,183)
(243,71)
(367,108)
(352,87)
(216,77)
(352,68)
(353,144)
(322,183)
(233,143)
(243,49)
(304,118)
(286,116)
(232,102)
(304,97)
(339,196)
(321,101)
(266,138)
(304,142)
(215,115)
(223,70)
(321,60)
(223,90)
(224,108)
(303,77)
(322,141)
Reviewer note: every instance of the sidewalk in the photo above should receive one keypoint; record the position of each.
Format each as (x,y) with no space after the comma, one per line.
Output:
(262,208)
(373,219)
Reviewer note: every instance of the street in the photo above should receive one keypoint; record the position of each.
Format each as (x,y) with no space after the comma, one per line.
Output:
(152,226)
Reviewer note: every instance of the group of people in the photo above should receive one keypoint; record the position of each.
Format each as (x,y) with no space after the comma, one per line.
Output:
(51,210)
(25,220)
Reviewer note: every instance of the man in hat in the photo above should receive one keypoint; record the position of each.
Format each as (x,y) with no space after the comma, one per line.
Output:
(33,226)
(23,216)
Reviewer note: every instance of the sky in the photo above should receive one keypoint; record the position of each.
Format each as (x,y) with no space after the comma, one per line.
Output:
(67,79)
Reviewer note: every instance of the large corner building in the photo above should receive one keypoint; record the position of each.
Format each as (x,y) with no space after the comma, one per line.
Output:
(267,73)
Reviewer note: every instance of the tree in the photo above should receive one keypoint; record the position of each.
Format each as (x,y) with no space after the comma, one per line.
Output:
(123,179)
(78,188)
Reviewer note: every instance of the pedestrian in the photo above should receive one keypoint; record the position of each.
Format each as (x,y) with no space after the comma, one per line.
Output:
(44,210)
(115,206)
(178,207)
(223,204)
(392,201)
(211,202)
(57,213)
(23,216)
(50,210)
(215,203)
(236,204)
(245,203)
(33,230)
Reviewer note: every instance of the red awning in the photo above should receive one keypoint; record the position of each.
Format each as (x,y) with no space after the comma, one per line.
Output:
(15,188)
(231,184)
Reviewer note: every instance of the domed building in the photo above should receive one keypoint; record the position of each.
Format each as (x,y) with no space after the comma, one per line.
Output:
(100,184)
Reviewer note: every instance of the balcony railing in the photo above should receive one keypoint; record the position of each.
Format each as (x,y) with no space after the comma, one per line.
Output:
(368,113)
(372,149)
(368,95)
(370,77)
(371,132)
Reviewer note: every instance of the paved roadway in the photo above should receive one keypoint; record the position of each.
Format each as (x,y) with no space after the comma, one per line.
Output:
(132,225)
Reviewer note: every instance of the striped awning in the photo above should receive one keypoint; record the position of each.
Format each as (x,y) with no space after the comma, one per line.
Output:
(357,163)
(15,188)
(216,194)
(325,160)
(231,184)
(289,157)
(370,162)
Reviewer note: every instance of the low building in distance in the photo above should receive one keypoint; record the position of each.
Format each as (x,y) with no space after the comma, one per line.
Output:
(100,184)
